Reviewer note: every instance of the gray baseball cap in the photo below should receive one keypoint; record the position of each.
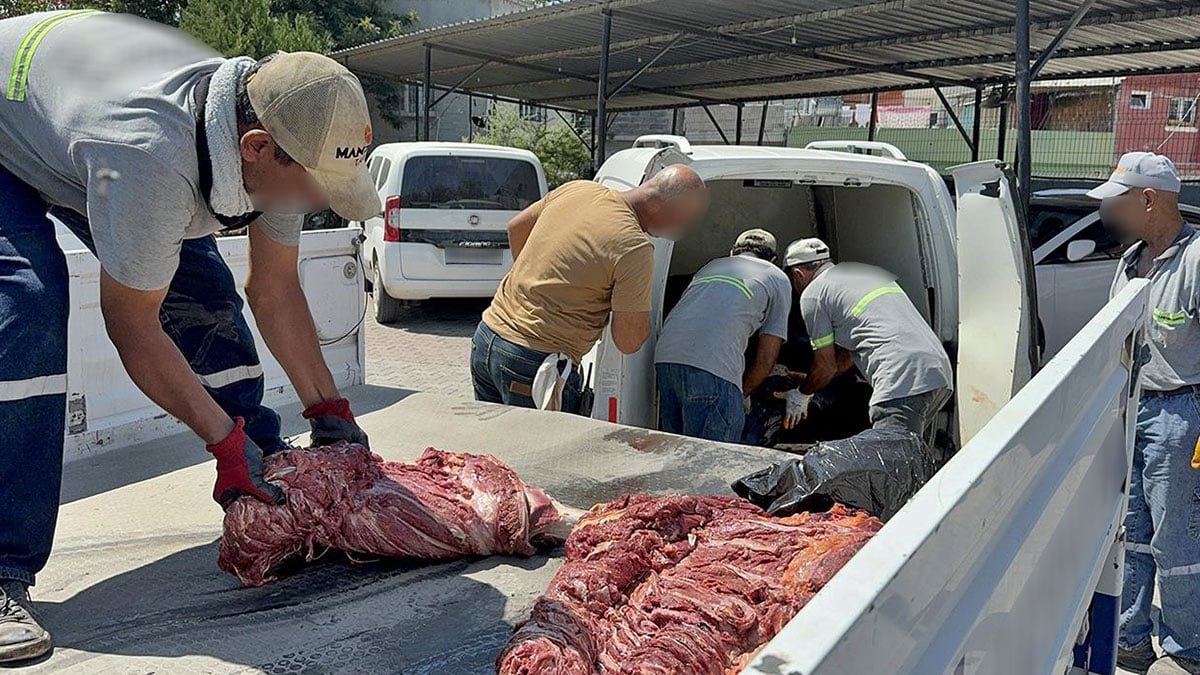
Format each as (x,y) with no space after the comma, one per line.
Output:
(756,236)
(1139,170)
(804,251)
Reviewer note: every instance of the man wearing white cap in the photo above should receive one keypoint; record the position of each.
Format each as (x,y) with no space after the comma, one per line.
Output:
(144,143)
(700,359)
(1141,204)
(862,310)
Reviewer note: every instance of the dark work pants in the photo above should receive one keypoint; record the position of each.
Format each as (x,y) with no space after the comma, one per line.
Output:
(202,314)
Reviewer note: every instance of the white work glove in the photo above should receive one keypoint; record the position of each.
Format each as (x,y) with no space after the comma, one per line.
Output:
(797,407)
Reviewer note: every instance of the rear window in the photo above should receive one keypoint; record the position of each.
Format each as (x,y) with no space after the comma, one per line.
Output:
(476,183)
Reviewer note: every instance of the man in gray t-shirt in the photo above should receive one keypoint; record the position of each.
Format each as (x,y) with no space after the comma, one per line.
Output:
(700,360)
(862,310)
(145,143)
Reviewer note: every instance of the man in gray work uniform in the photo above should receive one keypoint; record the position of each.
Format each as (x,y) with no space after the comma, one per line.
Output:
(700,360)
(145,143)
(1162,521)
(862,310)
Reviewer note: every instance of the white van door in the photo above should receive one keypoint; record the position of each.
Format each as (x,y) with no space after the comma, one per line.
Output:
(997,300)
(623,384)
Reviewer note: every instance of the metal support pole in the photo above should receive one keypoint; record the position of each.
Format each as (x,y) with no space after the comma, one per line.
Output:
(601,122)
(962,131)
(1024,136)
(872,124)
(470,118)
(738,127)
(575,131)
(427,93)
(675,121)
(1048,53)
(975,124)
(762,123)
(461,82)
(715,124)
(1002,135)
(645,66)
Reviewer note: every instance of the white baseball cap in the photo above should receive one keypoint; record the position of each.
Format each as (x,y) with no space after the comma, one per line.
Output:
(804,251)
(315,110)
(1139,170)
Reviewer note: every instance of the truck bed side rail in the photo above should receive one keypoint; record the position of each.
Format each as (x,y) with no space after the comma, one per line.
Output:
(991,568)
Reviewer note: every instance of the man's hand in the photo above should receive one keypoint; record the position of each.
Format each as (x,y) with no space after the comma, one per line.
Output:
(332,421)
(240,470)
(797,407)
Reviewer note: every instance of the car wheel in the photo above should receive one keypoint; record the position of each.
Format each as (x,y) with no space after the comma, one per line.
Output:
(387,308)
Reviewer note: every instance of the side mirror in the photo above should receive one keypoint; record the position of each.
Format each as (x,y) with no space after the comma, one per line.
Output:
(1080,249)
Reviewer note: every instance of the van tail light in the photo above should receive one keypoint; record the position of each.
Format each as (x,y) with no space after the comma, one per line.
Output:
(612,408)
(391,219)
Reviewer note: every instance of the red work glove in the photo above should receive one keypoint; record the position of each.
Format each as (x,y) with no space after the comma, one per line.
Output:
(332,421)
(240,469)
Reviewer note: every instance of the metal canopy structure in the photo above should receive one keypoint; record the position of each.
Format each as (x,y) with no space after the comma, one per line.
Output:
(604,56)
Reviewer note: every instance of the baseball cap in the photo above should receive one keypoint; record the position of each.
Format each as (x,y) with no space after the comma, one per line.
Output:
(756,237)
(1139,170)
(804,251)
(315,110)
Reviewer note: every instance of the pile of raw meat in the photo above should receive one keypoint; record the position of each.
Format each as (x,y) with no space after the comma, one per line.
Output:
(680,584)
(444,505)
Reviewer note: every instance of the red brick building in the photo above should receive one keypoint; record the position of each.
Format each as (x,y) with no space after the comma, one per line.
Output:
(1157,113)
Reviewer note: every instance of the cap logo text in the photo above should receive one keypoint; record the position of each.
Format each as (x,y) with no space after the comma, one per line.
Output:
(350,153)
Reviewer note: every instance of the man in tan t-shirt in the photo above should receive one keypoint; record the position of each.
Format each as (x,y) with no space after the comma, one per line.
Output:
(578,254)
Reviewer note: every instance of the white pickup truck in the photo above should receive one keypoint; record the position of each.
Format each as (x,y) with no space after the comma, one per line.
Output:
(991,568)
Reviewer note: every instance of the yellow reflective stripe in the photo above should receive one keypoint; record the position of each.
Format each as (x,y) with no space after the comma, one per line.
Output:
(870,297)
(822,341)
(19,77)
(732,281)
(1170,319)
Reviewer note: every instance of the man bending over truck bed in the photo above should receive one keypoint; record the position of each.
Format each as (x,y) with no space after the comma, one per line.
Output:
(578,254)
(862,310)
(145,143)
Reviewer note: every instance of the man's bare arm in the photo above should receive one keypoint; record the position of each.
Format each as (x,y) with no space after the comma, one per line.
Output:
(154,363)
(766,354)
(630,330)
(281,312)
(520,227)
(824,369)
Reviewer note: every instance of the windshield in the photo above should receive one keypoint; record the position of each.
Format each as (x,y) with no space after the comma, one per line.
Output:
(476,183)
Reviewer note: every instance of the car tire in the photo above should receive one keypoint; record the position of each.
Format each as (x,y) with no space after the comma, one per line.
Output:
(387,308)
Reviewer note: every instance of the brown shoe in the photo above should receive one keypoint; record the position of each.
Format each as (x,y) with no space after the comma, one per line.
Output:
(1138,659)
(1174,665)
(21,636)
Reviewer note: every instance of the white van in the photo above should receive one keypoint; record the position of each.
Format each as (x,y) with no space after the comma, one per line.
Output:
(442,233)
(881,210)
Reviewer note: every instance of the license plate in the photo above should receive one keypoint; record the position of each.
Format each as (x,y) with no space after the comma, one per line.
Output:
(457,255)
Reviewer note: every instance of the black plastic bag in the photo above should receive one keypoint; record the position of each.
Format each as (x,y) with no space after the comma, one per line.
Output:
(877,470)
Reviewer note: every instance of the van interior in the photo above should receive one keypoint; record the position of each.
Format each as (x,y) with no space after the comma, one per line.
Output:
(875,224)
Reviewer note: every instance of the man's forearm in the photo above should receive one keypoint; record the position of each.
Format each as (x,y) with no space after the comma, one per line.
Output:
(287,327)
(157,367)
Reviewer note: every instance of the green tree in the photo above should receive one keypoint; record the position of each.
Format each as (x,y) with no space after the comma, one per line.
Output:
(11,8)
(250,28)
(564,157)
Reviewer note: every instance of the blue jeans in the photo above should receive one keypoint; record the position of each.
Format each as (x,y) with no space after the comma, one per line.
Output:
(694,402)
(503,372)
(202,313)
(1162,526)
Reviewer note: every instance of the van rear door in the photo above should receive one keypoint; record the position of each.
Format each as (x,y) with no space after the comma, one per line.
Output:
(623,384)
(454,207)
(997,298)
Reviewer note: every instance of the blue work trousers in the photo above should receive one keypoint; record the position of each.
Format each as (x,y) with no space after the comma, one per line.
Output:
(1162,526)
(202,314)
(503,372)
(694,402)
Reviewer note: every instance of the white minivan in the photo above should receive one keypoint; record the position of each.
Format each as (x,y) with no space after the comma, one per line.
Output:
(442,233)
(967,269)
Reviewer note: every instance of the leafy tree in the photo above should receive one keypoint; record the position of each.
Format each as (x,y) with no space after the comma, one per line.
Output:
(11,8)
(162,11)
(564,157)
(250,28)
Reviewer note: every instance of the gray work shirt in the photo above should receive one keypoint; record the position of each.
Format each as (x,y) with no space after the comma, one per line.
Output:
(1175,317)
(862,309)
(729,300)
(97,116)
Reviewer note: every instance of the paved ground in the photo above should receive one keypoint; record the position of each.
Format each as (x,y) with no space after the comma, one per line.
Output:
(427,350)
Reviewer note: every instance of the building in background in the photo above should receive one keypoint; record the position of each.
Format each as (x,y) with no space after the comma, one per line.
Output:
(1158,114)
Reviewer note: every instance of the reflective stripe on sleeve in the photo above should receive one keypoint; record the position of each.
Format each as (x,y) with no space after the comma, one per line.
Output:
(822,341)
(15,390)
(225,378)
(870,297)
(19,77)
(732,281)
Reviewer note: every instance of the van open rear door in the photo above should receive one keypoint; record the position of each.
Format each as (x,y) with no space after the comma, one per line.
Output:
(606,370)
(997,347)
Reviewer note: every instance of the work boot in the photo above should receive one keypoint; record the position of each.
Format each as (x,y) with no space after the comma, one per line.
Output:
(1138,659)
(21,636)
(1174,665)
